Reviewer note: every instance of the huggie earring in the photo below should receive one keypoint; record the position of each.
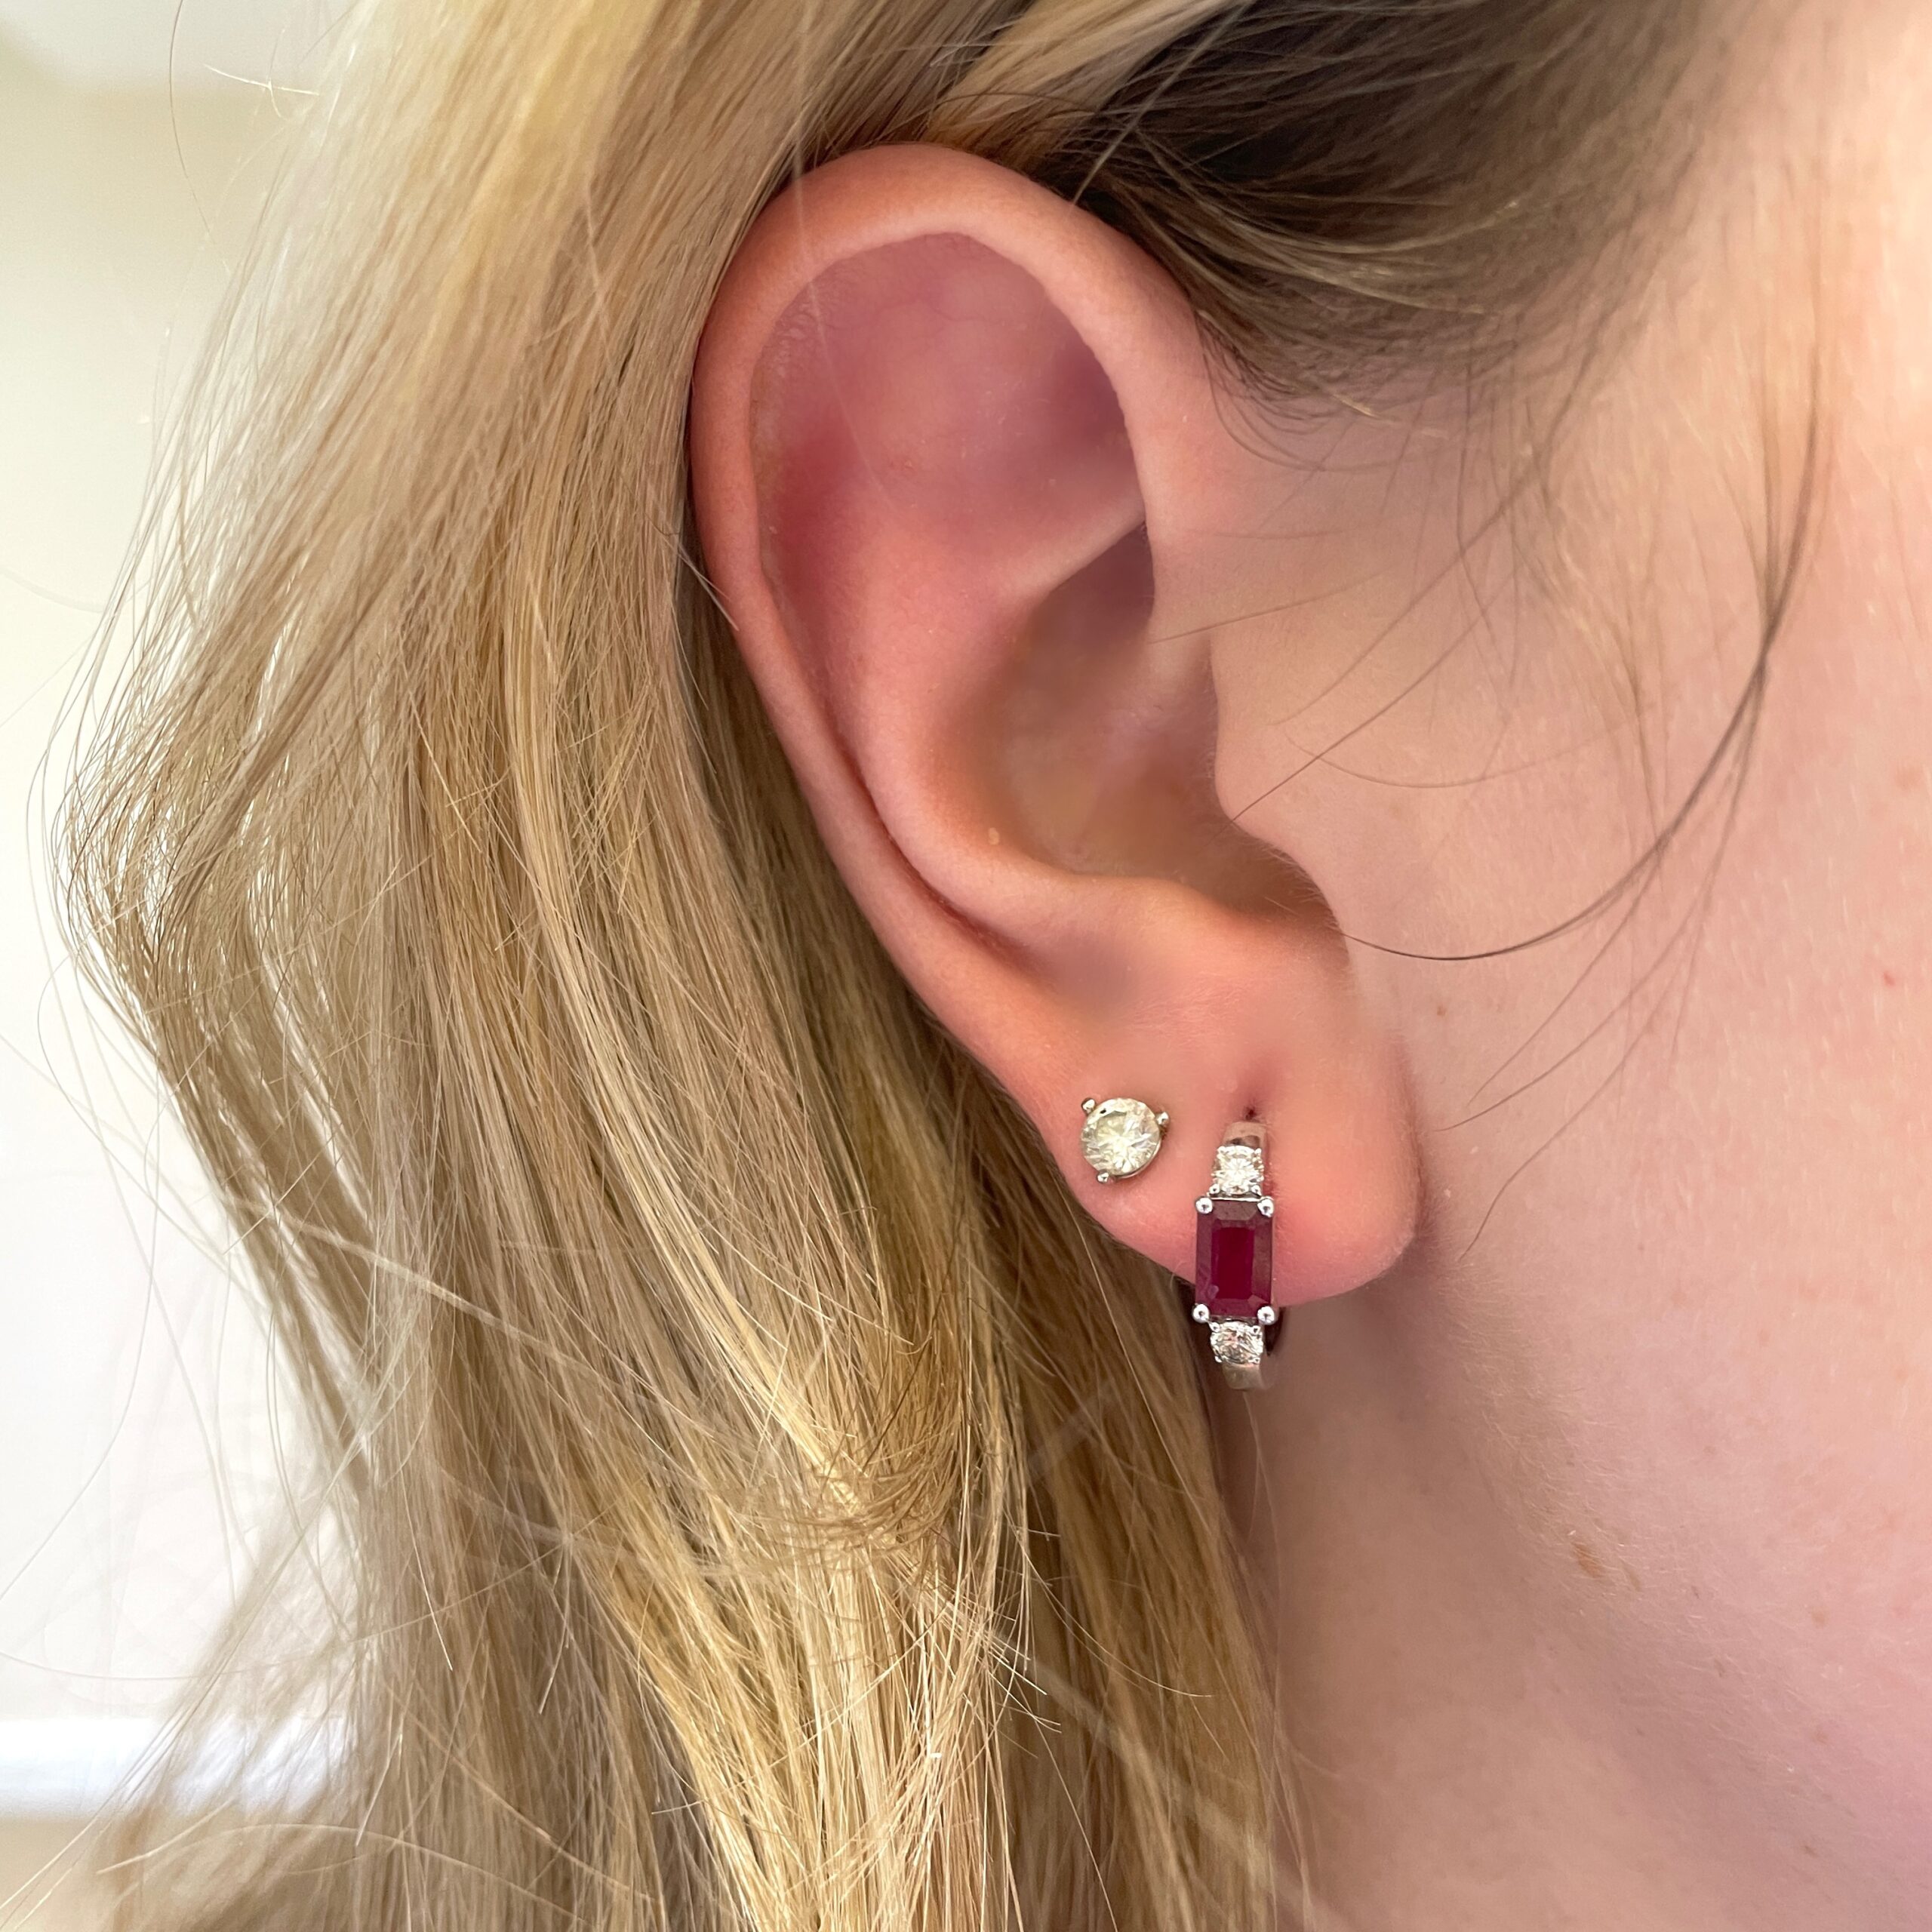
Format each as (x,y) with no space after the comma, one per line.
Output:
(1120,1137)
(1234,1258)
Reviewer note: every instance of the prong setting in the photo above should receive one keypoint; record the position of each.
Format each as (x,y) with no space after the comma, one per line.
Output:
(1267,1317)
(1119,1137)
(1201,1311)
(1267,1205)
(1239,1347)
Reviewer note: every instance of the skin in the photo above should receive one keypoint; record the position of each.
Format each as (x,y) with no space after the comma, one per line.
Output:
(1593,1512)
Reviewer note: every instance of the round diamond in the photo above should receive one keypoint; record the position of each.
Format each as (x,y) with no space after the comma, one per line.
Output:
(1236,1344)
(1237,1170)
(1120,1137)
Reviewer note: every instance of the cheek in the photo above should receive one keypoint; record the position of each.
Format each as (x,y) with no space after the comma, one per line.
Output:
(1677,1269)
(1703,1242)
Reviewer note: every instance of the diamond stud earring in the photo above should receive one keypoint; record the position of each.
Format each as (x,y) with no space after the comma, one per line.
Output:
(1120,1137)
(1234,1258)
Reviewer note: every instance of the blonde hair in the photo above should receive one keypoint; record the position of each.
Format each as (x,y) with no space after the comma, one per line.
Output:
(756,1496)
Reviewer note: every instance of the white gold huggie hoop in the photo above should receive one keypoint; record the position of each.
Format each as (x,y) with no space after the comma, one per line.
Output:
(1234,1258)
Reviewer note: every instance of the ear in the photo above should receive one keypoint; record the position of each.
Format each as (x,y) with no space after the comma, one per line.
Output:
(971,500)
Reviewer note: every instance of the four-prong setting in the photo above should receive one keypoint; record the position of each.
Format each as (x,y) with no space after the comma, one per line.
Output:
(1119,1138)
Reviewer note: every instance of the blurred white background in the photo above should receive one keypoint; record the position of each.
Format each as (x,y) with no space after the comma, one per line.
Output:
(136,1456)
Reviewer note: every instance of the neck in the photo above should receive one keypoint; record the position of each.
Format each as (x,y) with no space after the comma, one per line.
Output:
(1483,1728)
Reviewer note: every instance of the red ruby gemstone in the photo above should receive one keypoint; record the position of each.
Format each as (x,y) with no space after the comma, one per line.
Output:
(1234,1260)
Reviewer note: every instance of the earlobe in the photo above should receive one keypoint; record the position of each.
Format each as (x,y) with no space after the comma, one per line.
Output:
(953,444)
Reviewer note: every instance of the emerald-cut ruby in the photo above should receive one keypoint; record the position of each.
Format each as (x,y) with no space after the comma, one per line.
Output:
(1234,1259)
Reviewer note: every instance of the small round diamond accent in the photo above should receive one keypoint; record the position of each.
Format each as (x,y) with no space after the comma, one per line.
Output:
(1235,1344)
(1119,1137)
(1237,1172)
